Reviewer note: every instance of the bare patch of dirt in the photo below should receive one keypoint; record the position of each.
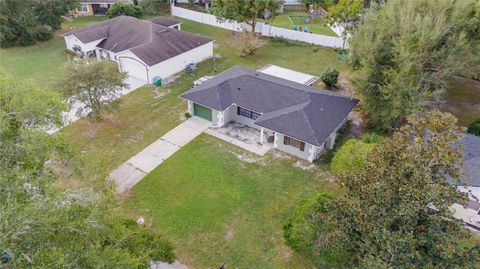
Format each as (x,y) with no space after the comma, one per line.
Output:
(304,165)
(357,124)
(229,236)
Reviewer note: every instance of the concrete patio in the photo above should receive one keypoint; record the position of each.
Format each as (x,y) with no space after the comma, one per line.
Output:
(241,136)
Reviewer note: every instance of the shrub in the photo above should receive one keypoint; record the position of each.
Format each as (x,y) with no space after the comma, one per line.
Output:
(142,240)
(248,43)
(309,222)
(351,157)
(372,138)
(330,77)
(151,6)
(474,128)
(188,115)
(119,9)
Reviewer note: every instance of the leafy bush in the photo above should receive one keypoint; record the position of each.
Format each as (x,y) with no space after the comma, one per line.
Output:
(142,240)
(351,157)
(151,6)
(330,77)
(309,221)
(119,9)
(372,138)
(474,128)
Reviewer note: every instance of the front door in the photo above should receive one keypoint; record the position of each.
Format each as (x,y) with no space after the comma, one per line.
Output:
(202,112)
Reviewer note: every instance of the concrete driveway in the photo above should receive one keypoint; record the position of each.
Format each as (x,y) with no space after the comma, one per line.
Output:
(136,168)
(72,116)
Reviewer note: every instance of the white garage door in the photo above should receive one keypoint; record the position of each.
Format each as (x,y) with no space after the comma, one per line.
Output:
(134,68)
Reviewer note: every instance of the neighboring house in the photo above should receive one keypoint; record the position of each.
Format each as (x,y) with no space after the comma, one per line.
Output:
(470,212)
(144,49)
(96,7)
(295,118)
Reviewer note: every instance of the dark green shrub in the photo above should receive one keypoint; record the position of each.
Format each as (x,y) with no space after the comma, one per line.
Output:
(310,221)
(330,77)
(119,9)
(474,128)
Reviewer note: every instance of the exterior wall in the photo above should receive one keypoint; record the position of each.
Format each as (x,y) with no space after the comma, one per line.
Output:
(71,41)
(88,13)
(231,115)
(310,153)
(178,63)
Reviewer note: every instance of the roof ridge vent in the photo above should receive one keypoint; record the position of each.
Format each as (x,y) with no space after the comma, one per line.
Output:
(161,31)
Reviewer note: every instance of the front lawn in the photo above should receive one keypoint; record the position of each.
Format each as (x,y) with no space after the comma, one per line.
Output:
(216,207)
(143,117)
(291,19)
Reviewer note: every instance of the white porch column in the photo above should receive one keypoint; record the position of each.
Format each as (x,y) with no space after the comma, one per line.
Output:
(261,135)
(275,140)
(190,107)
(311,152)
(97,53)
(220,118)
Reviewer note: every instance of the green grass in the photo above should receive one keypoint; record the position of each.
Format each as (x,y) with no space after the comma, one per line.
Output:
(218,208)
(289,19)
(142,118)
(45,61)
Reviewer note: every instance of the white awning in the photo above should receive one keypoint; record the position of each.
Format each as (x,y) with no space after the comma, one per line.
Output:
(289,74)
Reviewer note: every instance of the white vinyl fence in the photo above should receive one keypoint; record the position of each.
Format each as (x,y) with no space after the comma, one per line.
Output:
(262,28)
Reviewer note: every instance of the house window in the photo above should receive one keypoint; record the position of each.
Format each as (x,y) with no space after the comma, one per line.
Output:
(294,143)
(83,8)
(247,113)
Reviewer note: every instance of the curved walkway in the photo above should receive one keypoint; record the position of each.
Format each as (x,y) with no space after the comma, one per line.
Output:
(136,168)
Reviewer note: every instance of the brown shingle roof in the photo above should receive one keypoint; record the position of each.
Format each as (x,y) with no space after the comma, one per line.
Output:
(152,43)
(164,21)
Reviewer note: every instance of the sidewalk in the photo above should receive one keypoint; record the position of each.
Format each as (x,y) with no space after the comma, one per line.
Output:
(136,168)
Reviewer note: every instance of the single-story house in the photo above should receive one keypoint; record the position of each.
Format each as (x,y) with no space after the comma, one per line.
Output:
(470,182)
(96,7)
(292,117)
(144,49)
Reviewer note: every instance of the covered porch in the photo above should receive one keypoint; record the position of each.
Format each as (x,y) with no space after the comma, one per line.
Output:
(243,136)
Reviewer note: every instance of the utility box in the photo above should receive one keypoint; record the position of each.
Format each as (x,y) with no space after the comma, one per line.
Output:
(157,81)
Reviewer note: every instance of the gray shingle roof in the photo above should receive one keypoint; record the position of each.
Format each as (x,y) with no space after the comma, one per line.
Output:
(302,112)
(152,43)
(471,159)
(164,21)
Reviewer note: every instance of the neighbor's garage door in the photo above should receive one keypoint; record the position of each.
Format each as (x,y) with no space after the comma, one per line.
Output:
(202,112)
(134,68)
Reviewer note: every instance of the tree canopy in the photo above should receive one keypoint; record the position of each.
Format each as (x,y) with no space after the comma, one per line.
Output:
(96,84)
(406,52)
(23,23)
(395,213)
(247,11)
(44,225)
(123,9)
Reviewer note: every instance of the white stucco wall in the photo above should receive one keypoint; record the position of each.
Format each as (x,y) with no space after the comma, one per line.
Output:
(310,153)
(231,115)
(178,63)
(71,41)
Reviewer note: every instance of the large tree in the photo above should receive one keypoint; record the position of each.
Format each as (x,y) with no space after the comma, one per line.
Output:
(44,225)
(396,211)
(244,11)
(95,84)
(25,22)
(406,52)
